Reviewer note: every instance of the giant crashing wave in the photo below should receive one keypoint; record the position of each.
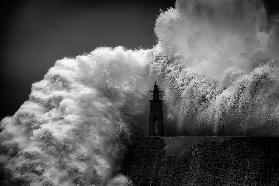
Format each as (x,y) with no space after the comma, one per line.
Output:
(216,62)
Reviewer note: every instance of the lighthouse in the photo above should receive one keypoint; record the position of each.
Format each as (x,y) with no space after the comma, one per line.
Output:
(156,126)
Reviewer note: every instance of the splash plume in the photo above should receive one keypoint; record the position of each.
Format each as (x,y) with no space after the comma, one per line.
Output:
(71,130)
(217,63)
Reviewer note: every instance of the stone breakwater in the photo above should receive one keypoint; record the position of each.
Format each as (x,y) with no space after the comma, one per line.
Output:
(209,160)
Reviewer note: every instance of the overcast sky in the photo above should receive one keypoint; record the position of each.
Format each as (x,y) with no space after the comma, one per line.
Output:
(36,33)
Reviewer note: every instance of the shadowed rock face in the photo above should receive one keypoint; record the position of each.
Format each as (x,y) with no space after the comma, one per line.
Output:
(203,161)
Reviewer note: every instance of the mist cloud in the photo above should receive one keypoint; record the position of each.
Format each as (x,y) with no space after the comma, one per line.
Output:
(219,64)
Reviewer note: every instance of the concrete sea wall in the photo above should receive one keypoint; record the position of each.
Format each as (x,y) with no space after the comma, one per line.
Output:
(196,160)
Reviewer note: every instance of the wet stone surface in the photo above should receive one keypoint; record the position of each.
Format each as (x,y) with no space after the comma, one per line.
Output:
(193,160)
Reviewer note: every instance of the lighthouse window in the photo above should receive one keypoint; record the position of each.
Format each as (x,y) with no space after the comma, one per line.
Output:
(156,126)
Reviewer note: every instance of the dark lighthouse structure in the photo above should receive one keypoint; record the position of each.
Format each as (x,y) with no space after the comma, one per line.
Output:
(156,126)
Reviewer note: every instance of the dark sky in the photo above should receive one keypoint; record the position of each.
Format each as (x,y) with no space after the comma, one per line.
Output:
(35,33)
